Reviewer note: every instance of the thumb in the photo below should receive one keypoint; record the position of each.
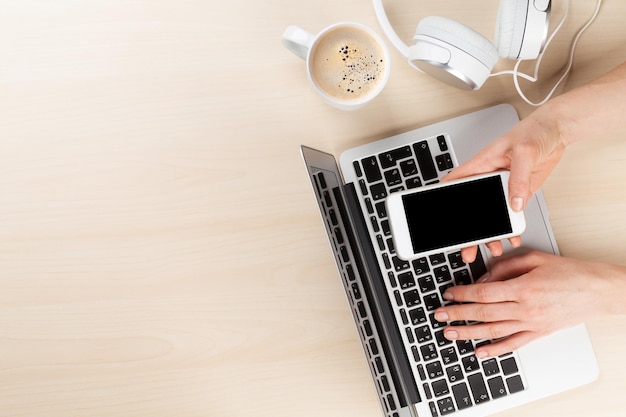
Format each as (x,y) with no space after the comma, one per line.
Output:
(522,164)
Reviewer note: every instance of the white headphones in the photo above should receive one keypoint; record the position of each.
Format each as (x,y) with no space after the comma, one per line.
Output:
(459,56)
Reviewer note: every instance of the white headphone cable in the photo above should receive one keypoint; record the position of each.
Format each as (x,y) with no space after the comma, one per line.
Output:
(516,74)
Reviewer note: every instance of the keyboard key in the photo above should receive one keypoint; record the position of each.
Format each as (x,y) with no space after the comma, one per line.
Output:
(432,302)
(389,158)
(363,186)
(406,280)
(381,210)
(368,204)
(423,334)
(379,191)
(393,177)
(409,335)
(385,226)
(479,390)
(426,283)
(408,168)
(427,391)
(411,298)
(412,183)
(375,225)
(433,409)
(428,352)
(417,316)
(436,324)
(357,168)
(496,387)
(490,367)
(440,388)
(399,264)
(455,259)
(405,319)
(437,259)
(509,366)
(478,266)
(462,277)
(421,372)
(416,355)
(515,384)
(441,141)
(442,274)
(434,370)
(372,171)
(444,162)
(448,355)
(425,160)
(381,242)
(420,266)
(455,373)
(470,364)
(390,245)
(446,406)
(461,396)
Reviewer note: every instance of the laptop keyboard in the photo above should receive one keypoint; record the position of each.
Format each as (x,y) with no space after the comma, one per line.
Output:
(450,375)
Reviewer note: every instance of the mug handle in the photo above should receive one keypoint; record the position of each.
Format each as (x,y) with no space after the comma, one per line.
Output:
(297,40)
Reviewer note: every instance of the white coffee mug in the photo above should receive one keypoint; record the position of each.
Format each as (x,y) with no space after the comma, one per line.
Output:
(347,63)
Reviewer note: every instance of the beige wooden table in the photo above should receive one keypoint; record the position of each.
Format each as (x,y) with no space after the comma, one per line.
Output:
(160,250)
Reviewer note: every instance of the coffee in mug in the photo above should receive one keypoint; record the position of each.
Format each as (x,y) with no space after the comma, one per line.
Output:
(347,63)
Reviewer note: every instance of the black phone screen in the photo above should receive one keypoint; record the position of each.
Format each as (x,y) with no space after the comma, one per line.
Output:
(457,214)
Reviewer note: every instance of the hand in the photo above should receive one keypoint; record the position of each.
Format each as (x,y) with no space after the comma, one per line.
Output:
(529,296)
(530,151)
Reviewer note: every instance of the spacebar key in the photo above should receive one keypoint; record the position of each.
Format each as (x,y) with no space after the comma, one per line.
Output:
(425,160)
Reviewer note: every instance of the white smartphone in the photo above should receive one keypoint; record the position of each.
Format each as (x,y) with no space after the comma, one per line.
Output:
(453,215)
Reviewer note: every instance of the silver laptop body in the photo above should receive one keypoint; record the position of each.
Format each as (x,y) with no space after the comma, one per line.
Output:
(417,372)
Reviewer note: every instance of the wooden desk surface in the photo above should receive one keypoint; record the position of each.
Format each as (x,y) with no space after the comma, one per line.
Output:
(160,249)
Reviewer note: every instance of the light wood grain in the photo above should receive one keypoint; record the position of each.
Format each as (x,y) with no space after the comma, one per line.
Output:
(160,250)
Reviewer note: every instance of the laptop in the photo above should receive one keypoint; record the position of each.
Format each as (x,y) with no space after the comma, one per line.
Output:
(416,371)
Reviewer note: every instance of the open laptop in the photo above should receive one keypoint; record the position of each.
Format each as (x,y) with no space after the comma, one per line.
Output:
(416,371)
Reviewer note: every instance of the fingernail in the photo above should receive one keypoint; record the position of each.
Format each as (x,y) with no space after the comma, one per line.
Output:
(451,335)
(484,278)
(517,203)
(441,316)
(448,296)
(481,354)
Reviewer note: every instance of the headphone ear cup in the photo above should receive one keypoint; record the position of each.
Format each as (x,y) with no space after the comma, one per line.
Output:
(522,28)
(510,27)
(452,53)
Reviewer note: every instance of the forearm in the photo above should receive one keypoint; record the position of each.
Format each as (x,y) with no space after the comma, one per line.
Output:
(590,110)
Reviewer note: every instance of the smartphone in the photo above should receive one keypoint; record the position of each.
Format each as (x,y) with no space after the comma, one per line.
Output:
(452,215)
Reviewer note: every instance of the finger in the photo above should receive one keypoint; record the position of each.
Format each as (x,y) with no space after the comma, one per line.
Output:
(486,313)
(506,345)
(523,159)
(487,331)
(495,248)
(489,292)
(516,266)
(489,159)
(515,241)
(469,254)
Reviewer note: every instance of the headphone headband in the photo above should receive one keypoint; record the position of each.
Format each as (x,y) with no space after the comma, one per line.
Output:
(402,47)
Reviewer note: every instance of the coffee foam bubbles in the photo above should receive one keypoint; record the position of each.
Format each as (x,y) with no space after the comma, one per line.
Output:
(347,63)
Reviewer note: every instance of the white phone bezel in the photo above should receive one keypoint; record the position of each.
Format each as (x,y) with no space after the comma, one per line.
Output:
(400,229)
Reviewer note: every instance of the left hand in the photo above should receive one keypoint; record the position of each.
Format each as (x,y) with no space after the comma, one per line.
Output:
(529,296)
